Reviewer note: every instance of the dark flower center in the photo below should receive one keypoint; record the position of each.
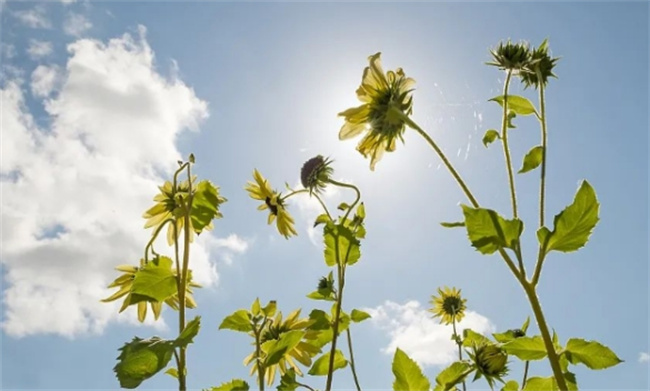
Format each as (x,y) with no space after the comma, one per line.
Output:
(452,305)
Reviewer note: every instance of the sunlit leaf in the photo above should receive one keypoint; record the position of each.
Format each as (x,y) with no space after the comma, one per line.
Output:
(238,321)
(593,354)
(512,385)
(155,280)
(280,347)
(359,316)
(347,245)
(408,375)
(288,381)
(142,358)
(526,348)
(233,385)
(490,136)
(532,160)
(173,372)
(472,338)
(205,205)
(489,232)
(189,332)
(516,103)
(321,366)
(452,375)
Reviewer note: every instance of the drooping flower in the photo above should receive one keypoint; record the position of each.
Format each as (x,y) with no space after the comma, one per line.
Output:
(386,101)
(539,68)
(449,306)
(261,190)
(315,173)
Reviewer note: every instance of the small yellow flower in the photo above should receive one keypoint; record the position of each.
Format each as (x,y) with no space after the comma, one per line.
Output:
(449,306)
(261,190)
(387,98)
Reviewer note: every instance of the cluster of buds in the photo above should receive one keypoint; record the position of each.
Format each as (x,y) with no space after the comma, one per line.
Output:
(533,65)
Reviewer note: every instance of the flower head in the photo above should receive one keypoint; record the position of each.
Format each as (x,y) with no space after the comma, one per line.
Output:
(540,67)
(491,362)
(273,201)
(169,205)
(511,56)
(387,100)
(449,306)
(315,173)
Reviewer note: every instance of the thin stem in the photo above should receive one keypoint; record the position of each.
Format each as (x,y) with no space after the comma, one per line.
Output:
(349,186)
(352,366)
(523,382)
(542,187)
(184,274)
(538,266)
(337,317)
(323,205)
(457,338)
(295,192)
(258,352)
(546,335)
(506,148)
(153,237)
(305,386)
(442,156)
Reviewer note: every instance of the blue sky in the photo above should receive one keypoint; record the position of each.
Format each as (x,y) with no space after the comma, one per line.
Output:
(101,99)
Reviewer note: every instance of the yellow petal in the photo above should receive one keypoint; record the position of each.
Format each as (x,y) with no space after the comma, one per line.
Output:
(157,308)
(350,130)
(142,311)
(123,291)
(127,268)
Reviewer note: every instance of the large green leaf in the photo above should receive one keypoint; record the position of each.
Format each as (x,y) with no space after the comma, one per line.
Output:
(572,226)
(280,347)
(526,348)
(233,385)
(189,332)
(452,375)
(348,245)
(205,205)
(533,159)
(489,232)
(321,366)
(142,358)
(155,280)
(590,353)
(238,321)
(516,103)
(408,375)
(490,136)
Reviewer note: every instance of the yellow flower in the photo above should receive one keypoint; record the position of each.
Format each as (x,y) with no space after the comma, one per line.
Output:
(387,98)
(303,352)
(169,204)
(125,282)
(449,306)
(261,190)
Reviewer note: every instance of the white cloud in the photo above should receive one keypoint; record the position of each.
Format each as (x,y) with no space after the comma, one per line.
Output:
(76,24)
(45,79)
(38,49)
(226,248)
(73,194)
(34,18)
(66,2)
(644,357)
(411,328)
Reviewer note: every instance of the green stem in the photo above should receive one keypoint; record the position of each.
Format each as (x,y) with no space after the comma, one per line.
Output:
(506,148)
(457,338)
(258,353)
(349,186)
(153,237)
(184,274)
(442,156)
(523,382)
(337,317)
(323,205)
(542,187)
(352,365)
(553,358)
(295,192)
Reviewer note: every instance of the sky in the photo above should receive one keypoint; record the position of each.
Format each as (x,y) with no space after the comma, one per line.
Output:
(100,99)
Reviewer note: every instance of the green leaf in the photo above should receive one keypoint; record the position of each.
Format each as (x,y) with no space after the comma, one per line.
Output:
(288,381)
(452,375)
(516,103)
(590,353)
(512,385)
(361,211)
(471,338)
(321,366)
(348,245)
(360,233)
(453,225)
(524,327)
(155,280)
(526,348)
(173,372)
(321,295)
(490,136)
(270,309)
(280,347)
(408,375)
(205,205)
(549,383)
(189,332)
(488,231)
(322,219)
(533,159)
(238,321)
(343,206)
(359,316)
(511,115)
(233,385)
(572,226)
(256,308)
(142,358)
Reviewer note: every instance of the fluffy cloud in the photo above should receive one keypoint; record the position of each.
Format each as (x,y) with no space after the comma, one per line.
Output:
(644,357)
(34,18)
(45,79)
(73,193)
(411,328)
(76,24)
(38,49)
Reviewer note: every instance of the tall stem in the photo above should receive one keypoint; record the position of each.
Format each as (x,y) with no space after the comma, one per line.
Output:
(352,365)
(184,271)
(442,156)
(337,317)
(506,148)
(542,183)
(260,370)
(460,351)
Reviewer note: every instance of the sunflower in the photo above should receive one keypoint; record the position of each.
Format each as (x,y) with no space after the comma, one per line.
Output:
(169,204)
(261,190)
(490,361)
(511,56)
(449,306)
(387,99)
(303,352)
(540,67)
(125,282)
(315,173)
